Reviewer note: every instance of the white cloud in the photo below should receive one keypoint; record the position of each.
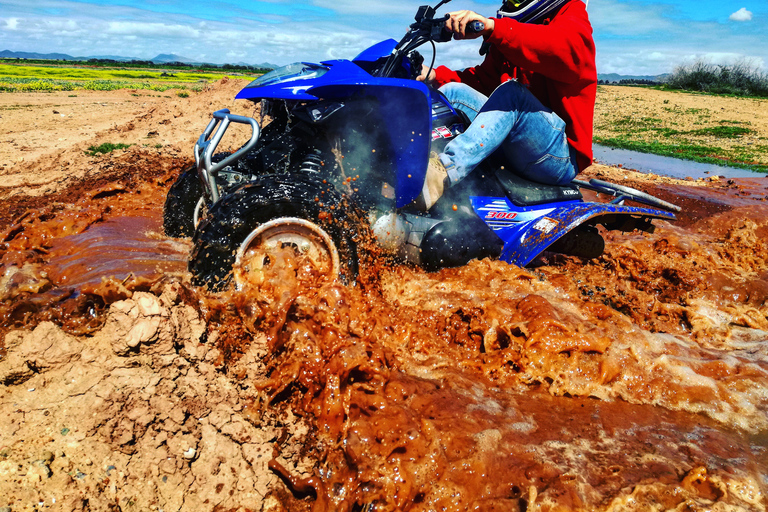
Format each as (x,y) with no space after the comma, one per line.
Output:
(381,9)
(12,23)
(455,55)
(629,19)
(741,15)
(129,28)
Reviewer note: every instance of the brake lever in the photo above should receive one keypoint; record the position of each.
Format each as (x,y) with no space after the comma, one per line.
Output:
(438,33)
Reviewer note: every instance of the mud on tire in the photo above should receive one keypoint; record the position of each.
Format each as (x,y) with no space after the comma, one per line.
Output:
(180,203)
(270,197)
(182,199)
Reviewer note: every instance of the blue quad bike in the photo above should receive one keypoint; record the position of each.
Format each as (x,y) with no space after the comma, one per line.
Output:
(349,142)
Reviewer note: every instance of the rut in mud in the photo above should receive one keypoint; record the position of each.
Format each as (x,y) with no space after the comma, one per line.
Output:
(633,381)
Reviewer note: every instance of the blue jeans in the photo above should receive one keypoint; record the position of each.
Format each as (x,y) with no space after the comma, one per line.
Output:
(531,136)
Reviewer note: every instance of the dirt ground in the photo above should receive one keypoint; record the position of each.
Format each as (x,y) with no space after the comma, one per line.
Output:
(69,441)
(44,137)
(134,402)
(688,109)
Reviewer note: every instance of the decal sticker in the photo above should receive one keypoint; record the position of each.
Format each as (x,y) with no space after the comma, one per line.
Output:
(441,132)
(545,224)
(499,213)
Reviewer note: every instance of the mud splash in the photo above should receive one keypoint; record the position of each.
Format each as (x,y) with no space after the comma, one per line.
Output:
(635,381)
(437,395)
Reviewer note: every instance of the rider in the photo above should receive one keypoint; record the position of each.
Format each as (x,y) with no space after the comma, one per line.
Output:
(533,96)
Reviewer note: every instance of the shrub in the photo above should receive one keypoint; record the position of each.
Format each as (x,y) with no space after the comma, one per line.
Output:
(741,79)
(105,148)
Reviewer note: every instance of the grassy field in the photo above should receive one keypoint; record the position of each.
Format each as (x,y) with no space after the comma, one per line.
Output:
(694,126)
(28,78)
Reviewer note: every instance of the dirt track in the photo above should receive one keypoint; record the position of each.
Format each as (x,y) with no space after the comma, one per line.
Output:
(140,393)
(87,424)
(45,136)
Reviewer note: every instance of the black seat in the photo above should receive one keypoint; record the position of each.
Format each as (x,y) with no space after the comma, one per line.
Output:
(523,192)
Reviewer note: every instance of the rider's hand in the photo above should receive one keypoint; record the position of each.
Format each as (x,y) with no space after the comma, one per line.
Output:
(423,76)
(458,21)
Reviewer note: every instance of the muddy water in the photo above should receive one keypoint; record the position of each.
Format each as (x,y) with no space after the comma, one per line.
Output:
(635,381)
(666,166)
(67,261)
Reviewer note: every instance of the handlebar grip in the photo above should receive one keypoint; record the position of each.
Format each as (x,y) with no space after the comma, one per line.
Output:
(475,26)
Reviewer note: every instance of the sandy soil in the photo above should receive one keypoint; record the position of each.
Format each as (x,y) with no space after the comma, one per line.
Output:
(45,136)
(147,411)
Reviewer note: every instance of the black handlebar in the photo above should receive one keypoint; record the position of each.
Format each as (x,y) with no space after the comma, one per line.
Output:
(426,28)
(475,26)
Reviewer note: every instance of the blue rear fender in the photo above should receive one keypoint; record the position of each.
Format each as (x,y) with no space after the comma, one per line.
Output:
(528,231)
(404,104)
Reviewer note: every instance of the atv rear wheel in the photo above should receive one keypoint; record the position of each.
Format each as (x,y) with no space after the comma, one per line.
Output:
(181,203)
(260,224)
(582,241)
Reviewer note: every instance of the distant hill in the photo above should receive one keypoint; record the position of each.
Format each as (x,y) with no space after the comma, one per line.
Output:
(171,57)
(7,54)
(614,77)
(118,58)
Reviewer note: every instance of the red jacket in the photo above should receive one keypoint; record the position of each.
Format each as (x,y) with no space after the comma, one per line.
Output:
(556,61)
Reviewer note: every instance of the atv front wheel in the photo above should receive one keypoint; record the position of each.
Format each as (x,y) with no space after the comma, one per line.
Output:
(266,248)
(261,223)
(181,203)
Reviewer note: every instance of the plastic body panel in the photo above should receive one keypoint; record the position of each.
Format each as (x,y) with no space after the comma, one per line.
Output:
(376,52)
(528,231)
(407,104)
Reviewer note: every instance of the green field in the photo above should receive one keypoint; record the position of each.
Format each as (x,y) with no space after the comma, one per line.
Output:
(701,127)
(37,78)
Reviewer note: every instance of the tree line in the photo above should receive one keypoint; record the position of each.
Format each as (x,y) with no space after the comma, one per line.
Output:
(741,79)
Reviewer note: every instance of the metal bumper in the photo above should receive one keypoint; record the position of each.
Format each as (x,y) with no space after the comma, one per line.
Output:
(206,145)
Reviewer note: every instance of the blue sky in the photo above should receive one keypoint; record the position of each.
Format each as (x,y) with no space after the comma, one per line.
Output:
(632,36)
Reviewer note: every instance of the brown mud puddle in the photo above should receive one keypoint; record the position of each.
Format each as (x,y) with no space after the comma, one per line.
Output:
(68,257)
(634,381)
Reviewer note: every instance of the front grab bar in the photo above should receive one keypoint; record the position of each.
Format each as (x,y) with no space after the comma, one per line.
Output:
(209,140)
